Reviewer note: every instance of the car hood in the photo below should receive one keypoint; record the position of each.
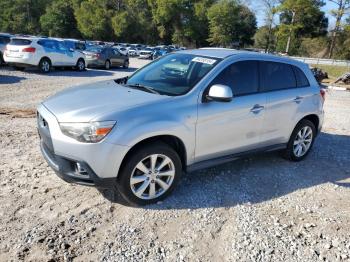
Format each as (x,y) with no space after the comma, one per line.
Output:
(90,102)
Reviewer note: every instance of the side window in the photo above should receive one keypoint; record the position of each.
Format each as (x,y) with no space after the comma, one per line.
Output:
(276,76)
(60,46)
(47,44)
(301,78)
(242,77)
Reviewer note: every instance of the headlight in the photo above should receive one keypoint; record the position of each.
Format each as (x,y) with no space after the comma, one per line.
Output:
(92,132)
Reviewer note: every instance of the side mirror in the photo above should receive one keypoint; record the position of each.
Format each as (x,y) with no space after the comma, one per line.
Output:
(219,93)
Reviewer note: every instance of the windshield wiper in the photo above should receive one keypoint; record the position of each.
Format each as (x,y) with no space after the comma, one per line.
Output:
(138,86)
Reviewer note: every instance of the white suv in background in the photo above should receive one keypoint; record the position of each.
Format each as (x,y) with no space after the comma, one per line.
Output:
(45,53)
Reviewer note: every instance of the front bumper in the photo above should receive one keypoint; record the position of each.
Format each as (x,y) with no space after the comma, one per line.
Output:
(100,161)
(67,169)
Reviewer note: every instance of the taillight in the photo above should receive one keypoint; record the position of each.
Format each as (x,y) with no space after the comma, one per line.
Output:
(28,49)
(323,93)
(97,55)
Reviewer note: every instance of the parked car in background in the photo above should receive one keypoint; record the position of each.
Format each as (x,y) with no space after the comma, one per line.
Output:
(43,53)
(134,51)
(186,111)
(4,40)
(75,44)
(105,57)
(146,53)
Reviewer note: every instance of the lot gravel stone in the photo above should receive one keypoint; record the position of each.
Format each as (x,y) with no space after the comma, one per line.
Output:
(260,208)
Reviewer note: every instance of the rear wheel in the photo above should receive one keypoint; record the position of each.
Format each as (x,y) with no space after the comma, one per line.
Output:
(45,65)
(107,65)
(2,61)
(80,65)
(150,174)
(301,141)
(126,64)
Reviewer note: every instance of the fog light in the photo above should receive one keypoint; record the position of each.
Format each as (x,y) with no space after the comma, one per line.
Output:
(80,169)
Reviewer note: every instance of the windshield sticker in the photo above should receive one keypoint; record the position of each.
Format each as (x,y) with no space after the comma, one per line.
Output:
(204,60)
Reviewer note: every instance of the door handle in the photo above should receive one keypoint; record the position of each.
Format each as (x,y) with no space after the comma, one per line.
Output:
(298,99)
(256,109)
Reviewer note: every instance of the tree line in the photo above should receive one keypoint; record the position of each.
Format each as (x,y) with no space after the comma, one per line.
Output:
(296,27)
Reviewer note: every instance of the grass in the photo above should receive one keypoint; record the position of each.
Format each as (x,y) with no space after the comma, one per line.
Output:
(333,71)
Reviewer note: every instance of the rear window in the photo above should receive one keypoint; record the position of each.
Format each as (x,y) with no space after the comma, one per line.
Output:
(276,76)
(19,41)
(301,78)
(4,39)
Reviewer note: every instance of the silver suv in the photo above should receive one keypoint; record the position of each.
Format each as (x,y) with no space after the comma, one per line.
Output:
(186,111)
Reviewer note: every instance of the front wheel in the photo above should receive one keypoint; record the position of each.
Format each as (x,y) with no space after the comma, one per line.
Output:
(80,66)
(150,174)
(107,65)
(301,141)
(126,64)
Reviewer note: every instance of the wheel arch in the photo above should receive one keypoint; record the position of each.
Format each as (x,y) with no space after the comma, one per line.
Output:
(174,142)
(45,57)
(312,118)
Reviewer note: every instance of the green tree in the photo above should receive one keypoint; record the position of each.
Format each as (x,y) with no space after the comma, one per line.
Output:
(59,20)
(183,22)
(229,23)
(264,38)
(133,22)
(94,19)
(343,6)
(300,18)
(21,16)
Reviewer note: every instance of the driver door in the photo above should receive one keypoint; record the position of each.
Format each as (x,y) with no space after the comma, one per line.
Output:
(225,128)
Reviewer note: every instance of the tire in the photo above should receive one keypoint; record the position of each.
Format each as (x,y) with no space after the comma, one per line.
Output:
(2,61)
(301,141)
(140,191)
(107,65)
(126,64)
(80,66)
(45,65)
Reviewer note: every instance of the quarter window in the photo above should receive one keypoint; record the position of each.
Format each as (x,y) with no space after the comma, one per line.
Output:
(242,77)
(276,76)
(301,78)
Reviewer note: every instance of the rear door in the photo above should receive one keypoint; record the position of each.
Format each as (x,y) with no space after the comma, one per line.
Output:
(118,58)
(66,57)
(284,100)
(225,128)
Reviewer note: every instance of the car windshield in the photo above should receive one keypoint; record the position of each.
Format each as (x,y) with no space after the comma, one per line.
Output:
(174,74)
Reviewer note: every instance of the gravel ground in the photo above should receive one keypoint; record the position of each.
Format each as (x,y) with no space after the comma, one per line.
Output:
(261,208)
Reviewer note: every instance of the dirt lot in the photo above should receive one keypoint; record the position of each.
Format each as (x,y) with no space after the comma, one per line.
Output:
(261,208)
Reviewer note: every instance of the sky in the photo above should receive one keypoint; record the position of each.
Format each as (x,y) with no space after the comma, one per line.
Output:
(259,12)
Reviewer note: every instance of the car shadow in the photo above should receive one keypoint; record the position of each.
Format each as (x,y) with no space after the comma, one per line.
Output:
(4,79)
(261,177)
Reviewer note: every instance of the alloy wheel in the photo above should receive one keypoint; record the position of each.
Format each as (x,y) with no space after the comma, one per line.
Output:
(81,65)
(108,65)
(152,176)
(302,141)
(45,66)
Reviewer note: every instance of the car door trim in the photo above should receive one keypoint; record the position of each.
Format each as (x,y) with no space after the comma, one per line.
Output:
(228,158)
